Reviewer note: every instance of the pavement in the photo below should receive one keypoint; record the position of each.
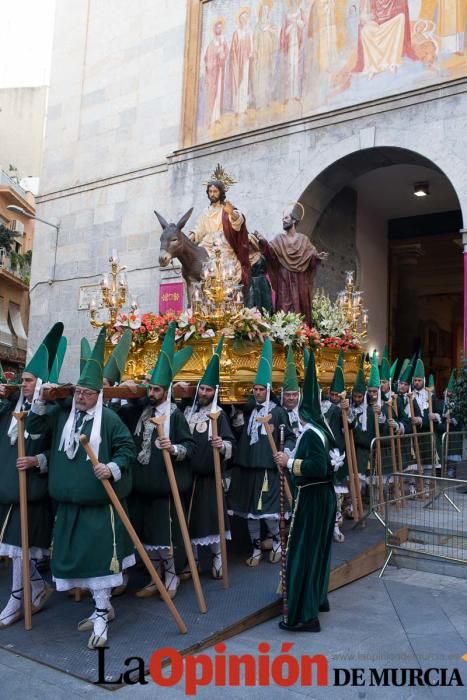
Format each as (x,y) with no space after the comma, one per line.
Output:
(407,619)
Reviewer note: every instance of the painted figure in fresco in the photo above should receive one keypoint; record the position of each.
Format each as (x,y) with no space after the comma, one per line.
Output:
(384,37)
(241,51)
(265,43)
(451,25)
(292,262)
(214,62)
(223,226)
(291,47)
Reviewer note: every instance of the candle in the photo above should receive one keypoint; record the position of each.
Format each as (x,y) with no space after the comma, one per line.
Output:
(93,304)
(105,281)
(114,257)
(122,279)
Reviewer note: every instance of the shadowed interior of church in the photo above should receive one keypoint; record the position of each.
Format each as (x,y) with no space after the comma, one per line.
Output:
(406,250)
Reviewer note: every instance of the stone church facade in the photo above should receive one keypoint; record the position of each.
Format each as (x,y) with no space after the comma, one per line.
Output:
(116,149)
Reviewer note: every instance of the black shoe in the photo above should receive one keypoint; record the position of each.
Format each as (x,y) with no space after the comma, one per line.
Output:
(310,626)
(325,607)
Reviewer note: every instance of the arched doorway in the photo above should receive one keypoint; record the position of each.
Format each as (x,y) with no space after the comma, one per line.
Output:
(406,249)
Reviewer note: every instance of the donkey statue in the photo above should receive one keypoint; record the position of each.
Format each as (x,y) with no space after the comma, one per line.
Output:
(174,244)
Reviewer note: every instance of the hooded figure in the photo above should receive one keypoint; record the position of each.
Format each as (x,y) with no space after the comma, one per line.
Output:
(91,548)
(254,490)
(35,464)
(203,523)
(152,511)
(290,392)
(312,464)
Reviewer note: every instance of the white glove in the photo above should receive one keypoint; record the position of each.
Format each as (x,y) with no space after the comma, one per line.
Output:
(337,458)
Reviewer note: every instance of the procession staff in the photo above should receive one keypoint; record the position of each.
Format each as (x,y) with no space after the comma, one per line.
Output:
(205,519)
(254,490)
(151,502)
(91,547)
(332,410)
(33,467)
(312,463)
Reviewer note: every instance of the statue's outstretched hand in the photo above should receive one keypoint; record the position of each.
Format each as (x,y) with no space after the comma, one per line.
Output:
(323,256)
(228,206)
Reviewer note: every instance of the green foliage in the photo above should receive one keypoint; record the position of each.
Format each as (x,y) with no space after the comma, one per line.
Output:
(22,264)
(459,400)
(6,238)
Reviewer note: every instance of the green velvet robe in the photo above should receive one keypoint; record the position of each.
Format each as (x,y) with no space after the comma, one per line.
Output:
(88,535)
(254,489)
(310,537)
(152,510)
(203,521)
(39,507)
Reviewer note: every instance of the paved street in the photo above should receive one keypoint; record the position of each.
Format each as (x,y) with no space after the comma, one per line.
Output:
(407,619)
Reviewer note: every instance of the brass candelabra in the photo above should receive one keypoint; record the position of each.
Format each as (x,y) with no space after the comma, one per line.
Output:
(351,300)
(218,296)
(114,289)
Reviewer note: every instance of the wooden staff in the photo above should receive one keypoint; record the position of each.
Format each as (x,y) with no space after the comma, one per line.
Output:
(219,498)
(282,478)
(265,421)
(354,481)
(357,475)
(400,464)
(434,456)
(393,457)
(159,423)
(379,460)
(23,509)
(134,537)
(446,442)
(416,443)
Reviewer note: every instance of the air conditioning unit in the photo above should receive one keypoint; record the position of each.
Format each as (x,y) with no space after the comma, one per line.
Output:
(17,227)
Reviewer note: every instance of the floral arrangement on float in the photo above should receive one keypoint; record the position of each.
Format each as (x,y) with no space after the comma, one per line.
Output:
(247,325)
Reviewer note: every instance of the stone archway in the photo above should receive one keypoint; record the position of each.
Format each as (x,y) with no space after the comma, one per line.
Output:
(362,209)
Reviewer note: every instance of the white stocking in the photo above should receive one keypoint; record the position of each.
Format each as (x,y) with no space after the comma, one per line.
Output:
(16,598)
(37,582)
(254,528)
(102,601)
(170,575)
(216,555)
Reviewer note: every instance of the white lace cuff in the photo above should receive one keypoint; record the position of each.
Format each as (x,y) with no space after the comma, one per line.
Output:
(115,469)
(42,463)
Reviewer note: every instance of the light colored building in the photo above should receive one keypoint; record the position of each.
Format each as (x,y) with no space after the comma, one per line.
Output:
(14,274)
(22,126)
(298,101)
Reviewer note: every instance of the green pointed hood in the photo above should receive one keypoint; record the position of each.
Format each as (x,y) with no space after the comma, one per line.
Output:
(385,370)
(310,406)
(359,386)
(431,382)
(115,365)
(419,371)
(338,383)
(58,361)
(452,381)
(85,353)
(93,372)
(392,371)
(41,363)
(290,381)
(374,380)
(264,371)
(406,371)
(181,358)
(162,373)
(211,373)
(306,358)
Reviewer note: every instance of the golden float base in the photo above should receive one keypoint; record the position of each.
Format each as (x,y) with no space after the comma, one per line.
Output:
(238,365)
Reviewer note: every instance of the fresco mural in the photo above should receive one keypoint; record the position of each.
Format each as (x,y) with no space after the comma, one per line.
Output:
(268,61)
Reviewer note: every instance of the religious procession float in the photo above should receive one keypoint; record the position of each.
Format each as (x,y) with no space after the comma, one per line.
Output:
(218,309)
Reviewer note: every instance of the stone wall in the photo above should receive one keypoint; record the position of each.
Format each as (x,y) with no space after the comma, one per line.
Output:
(115,105)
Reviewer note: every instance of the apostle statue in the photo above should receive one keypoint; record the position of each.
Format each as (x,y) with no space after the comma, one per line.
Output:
(222,226)
(292,262)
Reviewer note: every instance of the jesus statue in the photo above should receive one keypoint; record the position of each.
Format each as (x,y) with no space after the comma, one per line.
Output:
(292,262)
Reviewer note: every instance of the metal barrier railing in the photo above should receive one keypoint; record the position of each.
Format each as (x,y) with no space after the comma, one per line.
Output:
(453,452)
(430,520)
